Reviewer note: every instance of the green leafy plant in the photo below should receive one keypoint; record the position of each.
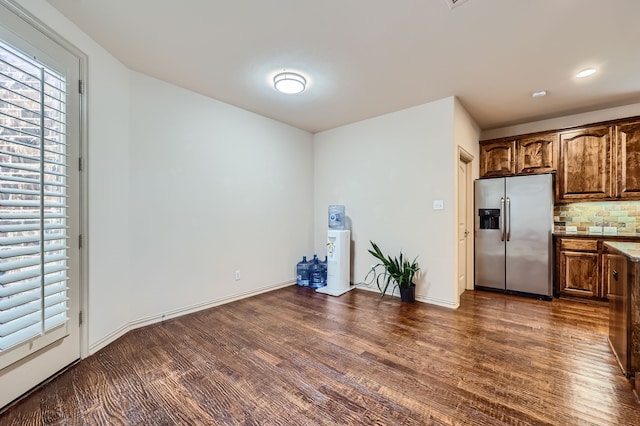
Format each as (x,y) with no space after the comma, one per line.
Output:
(397,270)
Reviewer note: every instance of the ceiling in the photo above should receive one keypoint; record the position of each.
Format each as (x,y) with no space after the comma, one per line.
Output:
(365,58)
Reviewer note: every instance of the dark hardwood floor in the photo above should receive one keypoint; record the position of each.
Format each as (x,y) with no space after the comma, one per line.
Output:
(294,357)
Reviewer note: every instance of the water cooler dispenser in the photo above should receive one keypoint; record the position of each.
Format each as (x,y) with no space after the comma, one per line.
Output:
(338,254)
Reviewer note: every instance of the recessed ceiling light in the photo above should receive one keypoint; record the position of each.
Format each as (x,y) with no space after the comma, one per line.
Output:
(539,93)
(586,73)
(289,82)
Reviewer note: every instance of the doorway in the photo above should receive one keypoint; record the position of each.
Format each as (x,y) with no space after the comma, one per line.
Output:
(465,221)
(40,208)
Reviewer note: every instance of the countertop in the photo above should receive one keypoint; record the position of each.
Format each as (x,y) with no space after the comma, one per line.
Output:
(600,236)
(630,250)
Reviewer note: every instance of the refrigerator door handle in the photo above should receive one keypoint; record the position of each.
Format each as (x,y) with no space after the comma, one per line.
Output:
(501,218)
(508,221)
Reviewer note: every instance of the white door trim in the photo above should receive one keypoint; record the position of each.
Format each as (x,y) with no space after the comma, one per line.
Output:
(467,158)
(32,25)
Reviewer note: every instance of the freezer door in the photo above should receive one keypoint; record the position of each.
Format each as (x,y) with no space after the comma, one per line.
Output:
(529,221)
(489,247)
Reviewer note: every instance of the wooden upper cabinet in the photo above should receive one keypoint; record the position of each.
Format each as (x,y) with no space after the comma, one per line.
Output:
(585,164)
(628,160)
(537,154)
(594,162)
(498,159)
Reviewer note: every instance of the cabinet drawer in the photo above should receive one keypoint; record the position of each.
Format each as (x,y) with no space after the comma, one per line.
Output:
(578,244)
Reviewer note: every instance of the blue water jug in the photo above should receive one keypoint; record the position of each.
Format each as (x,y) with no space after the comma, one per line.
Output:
(303,272)
(316,274)
(336,217)
(323,264)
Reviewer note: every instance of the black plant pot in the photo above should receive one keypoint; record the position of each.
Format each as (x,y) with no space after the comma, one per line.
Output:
(408,294)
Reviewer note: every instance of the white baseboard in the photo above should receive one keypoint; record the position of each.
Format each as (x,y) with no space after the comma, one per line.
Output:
(152,319)
(438,302)
(419,298)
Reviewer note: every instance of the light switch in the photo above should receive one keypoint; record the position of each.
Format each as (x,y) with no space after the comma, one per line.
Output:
(438,204)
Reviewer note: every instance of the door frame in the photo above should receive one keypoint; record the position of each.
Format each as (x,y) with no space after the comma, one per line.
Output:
(467,158)
(36,24)
(83,161)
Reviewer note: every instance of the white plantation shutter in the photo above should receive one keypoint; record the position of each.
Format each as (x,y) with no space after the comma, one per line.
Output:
(33,199)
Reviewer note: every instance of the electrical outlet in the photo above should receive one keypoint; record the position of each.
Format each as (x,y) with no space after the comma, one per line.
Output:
(237,275)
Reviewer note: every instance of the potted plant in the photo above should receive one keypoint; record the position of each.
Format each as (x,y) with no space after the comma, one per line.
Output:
(397,270)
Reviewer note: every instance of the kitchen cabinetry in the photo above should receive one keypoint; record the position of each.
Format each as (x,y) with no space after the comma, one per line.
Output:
(627,139)
(619,309)
(585,164)
(537,154)
(594,163)
(624,307)
(583,266)
(497,159)
(579,267)
(523,156)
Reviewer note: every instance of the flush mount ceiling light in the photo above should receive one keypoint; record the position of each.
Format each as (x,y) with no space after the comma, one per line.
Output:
(289,82)
(539,93)
(586,73)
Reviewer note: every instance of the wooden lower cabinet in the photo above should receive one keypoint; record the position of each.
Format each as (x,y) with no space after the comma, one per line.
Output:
(579,271)
(583,267)
(619,309)
(579,274)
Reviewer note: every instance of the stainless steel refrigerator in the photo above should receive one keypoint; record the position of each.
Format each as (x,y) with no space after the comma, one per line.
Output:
(513,242)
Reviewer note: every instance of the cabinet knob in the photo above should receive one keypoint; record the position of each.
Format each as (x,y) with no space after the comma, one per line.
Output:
(615,274)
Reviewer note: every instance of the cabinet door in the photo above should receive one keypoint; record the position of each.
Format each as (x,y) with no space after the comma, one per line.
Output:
(618,309)
(585,166)
(579,273)
(628,160)
(497,159)
(537,154)
(608,266)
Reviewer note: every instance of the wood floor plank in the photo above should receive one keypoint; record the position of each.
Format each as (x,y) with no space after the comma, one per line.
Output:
(296,357)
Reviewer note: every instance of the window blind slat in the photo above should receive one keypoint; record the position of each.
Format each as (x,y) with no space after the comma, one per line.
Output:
(20,336)
(17,312)
(12,277)
(30,239)
(22,298)
(31,227)
(30,203)
(23,286)
(24,251)
(18,191)
(31,261)
(21,215)
(58,308)
(55,321)
(20,323)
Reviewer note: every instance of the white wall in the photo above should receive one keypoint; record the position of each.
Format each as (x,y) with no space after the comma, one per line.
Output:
(387,171)
(213,189)
(183,190)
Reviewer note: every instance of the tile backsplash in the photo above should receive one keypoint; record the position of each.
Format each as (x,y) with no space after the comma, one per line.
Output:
(621,217)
